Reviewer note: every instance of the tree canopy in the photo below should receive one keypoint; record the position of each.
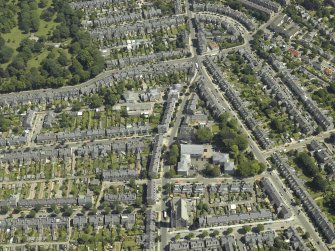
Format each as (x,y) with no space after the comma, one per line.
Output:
(4,123)
(212,171)
(173,154)
(230,134)
(76,58)
(319,183)
(247,167)
(8,12)
(204,135)
(307,164)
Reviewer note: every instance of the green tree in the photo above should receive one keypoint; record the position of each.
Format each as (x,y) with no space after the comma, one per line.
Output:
(32,214)
(171,173)
(229,230)
(204,135)
(4,210)
(119,208)
(5,54)
(246,229)
(42,3)
(67,211)
(8,12)
(4,123)
(65,120)
(319,183)
(173,155)
(307,164)
(94,101)
(212,171)
(260,228)
(76,105)
(306,235)
(107,210)
(277,125)
(37,208)
(204,234)
(132,184)
(190,236)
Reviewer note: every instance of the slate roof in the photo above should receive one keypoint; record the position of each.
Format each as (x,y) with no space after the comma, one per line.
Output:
(228,219)
(227,11)
(235,100)
(120,197)
(271,192)
(122,174)
(319,219)
(212,243)
(151,192)
(155,156)
(295,86)
(192,150)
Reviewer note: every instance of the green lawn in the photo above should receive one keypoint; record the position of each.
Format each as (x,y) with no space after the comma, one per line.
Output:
(14,38)
(36,61)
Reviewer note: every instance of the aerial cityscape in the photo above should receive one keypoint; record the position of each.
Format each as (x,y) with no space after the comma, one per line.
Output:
(167,125)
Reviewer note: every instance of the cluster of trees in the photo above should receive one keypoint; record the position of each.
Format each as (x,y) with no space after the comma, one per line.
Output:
(5,52)
(329,202)
(65,120)
(89,61)
(232,139)
(248,166)
(310,169)
(325,96)
(256,45)
(212,171)
(48,14)
(8,12)
(230,136)
(112,96)
(94,101)
(319,183)
(320,7)
(4,123)
(159,44)
(311,4)
(204,135)
(75,62)
(18,66)
(278,125)
(202,208)
(173,155)
(280,244)
(165,6)
(307,164)
(29,18)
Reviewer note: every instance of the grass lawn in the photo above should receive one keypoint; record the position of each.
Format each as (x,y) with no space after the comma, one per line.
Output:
(15,36)
(130,244)
(36,61)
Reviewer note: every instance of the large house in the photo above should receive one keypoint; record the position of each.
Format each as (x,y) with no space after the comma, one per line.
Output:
(179,213)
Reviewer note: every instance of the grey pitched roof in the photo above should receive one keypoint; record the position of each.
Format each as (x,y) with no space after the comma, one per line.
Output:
(319,219)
